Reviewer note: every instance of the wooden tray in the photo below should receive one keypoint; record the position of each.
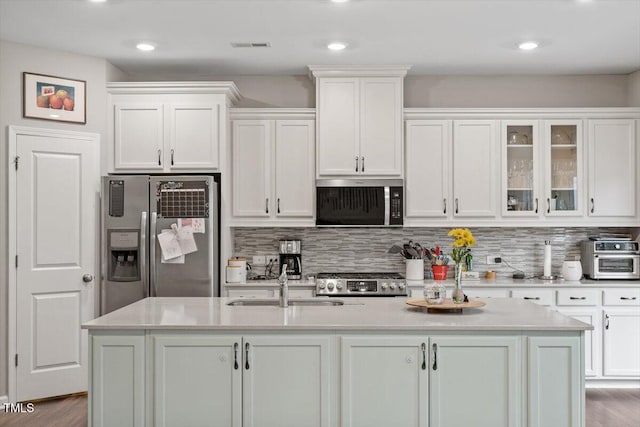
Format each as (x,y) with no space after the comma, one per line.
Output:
(447,307)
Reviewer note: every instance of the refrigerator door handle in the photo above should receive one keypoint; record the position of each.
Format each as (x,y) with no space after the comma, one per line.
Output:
(152,253)
(143,253)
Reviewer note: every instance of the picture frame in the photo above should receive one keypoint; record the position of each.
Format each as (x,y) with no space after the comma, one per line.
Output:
(54,98)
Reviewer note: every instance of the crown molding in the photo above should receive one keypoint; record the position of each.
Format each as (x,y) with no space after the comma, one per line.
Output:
(223,87)
(316,71)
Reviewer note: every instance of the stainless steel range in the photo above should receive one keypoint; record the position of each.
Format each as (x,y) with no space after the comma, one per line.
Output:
(361,284)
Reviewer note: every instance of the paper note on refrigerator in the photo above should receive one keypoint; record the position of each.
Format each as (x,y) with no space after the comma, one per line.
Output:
(169,245)
(186,241)
(176,260)
(197,224)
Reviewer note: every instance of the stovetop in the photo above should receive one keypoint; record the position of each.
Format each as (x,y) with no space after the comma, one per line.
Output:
(349,276)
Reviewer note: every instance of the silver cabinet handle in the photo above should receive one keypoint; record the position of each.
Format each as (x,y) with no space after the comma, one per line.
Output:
(159,157)
(246,356)
(606,322)
(266,205)
(278,204)
(172,157)
(548,205)
(434,347)
(578,298)
(456,204)
(533,298)
(444,204)
(536,205)
(86,278)
(362,158)
(235,356)
(423,347)
(628,299)
(357,164)
(593,205)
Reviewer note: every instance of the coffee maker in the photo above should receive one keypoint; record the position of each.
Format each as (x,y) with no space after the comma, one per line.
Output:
(290,256)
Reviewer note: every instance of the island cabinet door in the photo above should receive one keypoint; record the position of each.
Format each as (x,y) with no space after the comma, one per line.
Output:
(197,380)
(116,393)
(384,381)
(555,382)
(286,381)
(475,381)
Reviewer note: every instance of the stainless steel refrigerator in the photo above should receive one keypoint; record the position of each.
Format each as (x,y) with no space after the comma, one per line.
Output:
(135,210)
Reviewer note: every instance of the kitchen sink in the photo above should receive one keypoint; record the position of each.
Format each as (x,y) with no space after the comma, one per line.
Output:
(292,302)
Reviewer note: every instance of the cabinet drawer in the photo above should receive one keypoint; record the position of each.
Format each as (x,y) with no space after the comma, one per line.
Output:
(486,293)
(538,296)
(250,293)
(630,296)
(578,297)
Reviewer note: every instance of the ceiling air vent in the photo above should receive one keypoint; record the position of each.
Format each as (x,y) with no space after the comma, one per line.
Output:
(244,44)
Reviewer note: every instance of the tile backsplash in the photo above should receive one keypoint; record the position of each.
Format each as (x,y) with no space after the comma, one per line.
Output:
(365,249)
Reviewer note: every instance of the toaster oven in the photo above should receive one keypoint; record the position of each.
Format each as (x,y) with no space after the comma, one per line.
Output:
(611,259)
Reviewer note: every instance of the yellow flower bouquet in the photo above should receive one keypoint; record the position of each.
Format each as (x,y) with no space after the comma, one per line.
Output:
(463,240)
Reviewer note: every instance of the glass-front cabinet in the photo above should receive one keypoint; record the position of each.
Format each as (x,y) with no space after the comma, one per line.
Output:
(563,167)
(520,151)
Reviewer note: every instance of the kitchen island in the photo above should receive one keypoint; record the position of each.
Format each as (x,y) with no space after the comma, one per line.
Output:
(369,362)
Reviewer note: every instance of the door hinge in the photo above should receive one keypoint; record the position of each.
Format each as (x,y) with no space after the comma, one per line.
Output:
(16,161)
(16,359)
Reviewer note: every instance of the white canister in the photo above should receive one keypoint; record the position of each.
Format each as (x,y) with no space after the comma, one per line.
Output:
(571,270)
(415,269)
(236,274)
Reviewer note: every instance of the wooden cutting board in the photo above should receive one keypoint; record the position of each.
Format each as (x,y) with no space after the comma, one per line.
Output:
(447,307)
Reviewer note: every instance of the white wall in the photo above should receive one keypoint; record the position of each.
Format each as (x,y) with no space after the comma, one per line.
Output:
(634,89)
(14,60)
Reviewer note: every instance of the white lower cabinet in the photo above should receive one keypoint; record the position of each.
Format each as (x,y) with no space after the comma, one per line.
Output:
(117,381)
(475,381)
(592,339)
(285,381)
(384,381)
(197,380)
(621,342)
(555,395)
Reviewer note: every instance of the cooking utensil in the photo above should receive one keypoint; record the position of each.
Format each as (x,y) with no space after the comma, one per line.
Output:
(394,249)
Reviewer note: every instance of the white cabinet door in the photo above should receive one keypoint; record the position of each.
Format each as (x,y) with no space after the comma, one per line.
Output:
(194,136)
(612,168)
(556,391)
(138,136)
(384,381)
(117,380)
(286,381)
(251,165)
(381,126)
(294,168)
(338,118)
(475,168)
(592,339)
(474,381)
(197,378)
(428,168)
(621,341)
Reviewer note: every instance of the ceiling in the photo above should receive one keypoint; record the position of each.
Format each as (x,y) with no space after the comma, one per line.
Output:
(194,37)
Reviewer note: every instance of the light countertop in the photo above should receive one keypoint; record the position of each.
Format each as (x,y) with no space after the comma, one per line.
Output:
(358,314)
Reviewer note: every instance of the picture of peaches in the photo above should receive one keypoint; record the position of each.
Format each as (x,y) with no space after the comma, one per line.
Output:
(55,102)
(62,94)
(67,103)
(42,101)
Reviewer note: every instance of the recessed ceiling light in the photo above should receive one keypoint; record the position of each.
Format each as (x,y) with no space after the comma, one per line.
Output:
(146,47)
(98,1)
(336,46)
(527,45)
(339,1)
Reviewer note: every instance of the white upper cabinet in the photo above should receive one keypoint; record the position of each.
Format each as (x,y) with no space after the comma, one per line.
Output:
(359,113)
(273,171)
(475,168)
(612,168)
(167,127)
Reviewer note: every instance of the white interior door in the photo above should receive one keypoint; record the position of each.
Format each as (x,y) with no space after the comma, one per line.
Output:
(57,183)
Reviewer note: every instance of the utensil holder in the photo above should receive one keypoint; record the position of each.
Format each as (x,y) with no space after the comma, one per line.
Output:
(440,272)
(415,269)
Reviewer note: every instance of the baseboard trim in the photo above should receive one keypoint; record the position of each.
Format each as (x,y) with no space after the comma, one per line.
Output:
(612,384)
(4,399)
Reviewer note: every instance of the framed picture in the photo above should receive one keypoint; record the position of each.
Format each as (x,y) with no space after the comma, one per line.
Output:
(54,98)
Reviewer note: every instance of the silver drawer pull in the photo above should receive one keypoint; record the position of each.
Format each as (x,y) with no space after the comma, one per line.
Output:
(580,298)
(535,298)
(628,299)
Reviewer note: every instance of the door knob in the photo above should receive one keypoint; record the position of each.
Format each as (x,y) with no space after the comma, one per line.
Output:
(87,278)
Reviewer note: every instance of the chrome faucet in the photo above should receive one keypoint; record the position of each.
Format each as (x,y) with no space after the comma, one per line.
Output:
(284,287)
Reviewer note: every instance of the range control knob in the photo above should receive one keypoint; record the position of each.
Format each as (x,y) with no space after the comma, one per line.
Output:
(383,286)
(401,286)
(617,246)
(321,285)
(392,286)
(339,286)
(330,286)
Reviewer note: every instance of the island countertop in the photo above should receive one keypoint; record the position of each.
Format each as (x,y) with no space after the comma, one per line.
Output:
(357,314)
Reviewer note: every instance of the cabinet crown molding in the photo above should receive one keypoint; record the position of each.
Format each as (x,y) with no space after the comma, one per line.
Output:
(527,113)
(316,71)
(272,113)
(223,87)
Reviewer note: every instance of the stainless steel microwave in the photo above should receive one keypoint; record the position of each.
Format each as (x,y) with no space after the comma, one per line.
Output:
(359,203)
(611,259)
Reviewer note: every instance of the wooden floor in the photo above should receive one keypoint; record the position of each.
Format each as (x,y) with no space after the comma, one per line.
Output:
(605,408)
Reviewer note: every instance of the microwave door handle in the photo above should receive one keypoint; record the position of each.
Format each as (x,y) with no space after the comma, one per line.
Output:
(143,253)
(152,254)
(387,205)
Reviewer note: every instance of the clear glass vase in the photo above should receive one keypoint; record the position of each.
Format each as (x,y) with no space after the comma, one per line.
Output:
(457,296)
